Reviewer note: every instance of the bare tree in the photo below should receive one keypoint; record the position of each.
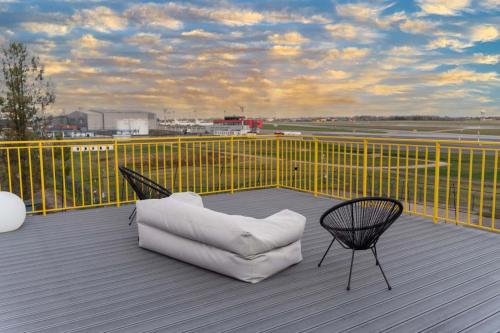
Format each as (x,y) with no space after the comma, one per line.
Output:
(24,92)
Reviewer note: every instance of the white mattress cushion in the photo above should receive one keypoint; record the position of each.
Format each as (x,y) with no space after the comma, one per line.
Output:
(243,235)
(252,269)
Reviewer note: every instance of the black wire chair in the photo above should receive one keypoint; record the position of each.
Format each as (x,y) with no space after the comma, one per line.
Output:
(143,187)
(358,224)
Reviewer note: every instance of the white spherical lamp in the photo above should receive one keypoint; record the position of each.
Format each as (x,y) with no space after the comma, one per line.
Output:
(12,212)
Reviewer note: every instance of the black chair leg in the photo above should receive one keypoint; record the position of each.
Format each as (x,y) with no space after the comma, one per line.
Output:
(350,271)
(131,216)
(328,249)
(374,251)
(381,270)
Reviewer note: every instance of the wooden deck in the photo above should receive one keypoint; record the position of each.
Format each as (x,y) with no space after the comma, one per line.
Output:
(82,271)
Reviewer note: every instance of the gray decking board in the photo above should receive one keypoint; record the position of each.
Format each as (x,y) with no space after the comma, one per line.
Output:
(83,271)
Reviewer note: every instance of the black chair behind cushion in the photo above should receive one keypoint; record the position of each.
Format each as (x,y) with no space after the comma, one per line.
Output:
(144,187)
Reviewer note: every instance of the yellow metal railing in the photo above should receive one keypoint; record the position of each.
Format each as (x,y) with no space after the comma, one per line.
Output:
(445,180)
(59,175)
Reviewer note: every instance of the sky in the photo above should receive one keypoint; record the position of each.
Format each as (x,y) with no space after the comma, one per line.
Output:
(276,58)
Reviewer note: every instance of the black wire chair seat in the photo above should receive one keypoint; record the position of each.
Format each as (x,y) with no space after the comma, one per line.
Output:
(143,187)
(358,224)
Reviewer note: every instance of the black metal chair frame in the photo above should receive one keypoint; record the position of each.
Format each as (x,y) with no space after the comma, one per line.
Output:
(371,233)
(138,182)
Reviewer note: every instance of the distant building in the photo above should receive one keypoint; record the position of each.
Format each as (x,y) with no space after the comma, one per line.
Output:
(76,120)
(79,119)
(237,123)
(99,121)
(136,122)
(229,130)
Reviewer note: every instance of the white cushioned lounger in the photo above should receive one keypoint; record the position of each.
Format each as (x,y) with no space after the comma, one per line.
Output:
(242,247)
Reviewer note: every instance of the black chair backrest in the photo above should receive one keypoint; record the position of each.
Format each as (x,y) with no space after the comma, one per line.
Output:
(358,223)
(144,187)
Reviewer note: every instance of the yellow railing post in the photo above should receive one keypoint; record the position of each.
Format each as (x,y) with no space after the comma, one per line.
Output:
(232,163)
(179,164)
(277,161)
(42,177)
(365,166)
(117,181)
(436,182)
(315,167)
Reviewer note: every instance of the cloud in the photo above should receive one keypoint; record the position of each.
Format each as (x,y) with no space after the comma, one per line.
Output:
(307,92)
(228,56)
(404,51)
(443,7)
(490,4)
(487,59)
(67,68)
(117,80)
(289,38)
(445,42)
(101,19)
(458,76)
(120,60)
(348,53)
(363,12)
(395,62)
(285,51)
(386,90)
(484,33)
(144,38)
(351,32)
(417,26)
(150,43)
(151,14)
(359,11)
(165,81)
(87,46)
(56,66)
(90,42)
(232,15)
(225,15)
(426,66)
(479,33)
(87,70)
(199,33)
(51,29)
(338,75)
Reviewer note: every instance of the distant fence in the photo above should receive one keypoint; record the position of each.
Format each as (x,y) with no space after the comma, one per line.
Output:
(451,181)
